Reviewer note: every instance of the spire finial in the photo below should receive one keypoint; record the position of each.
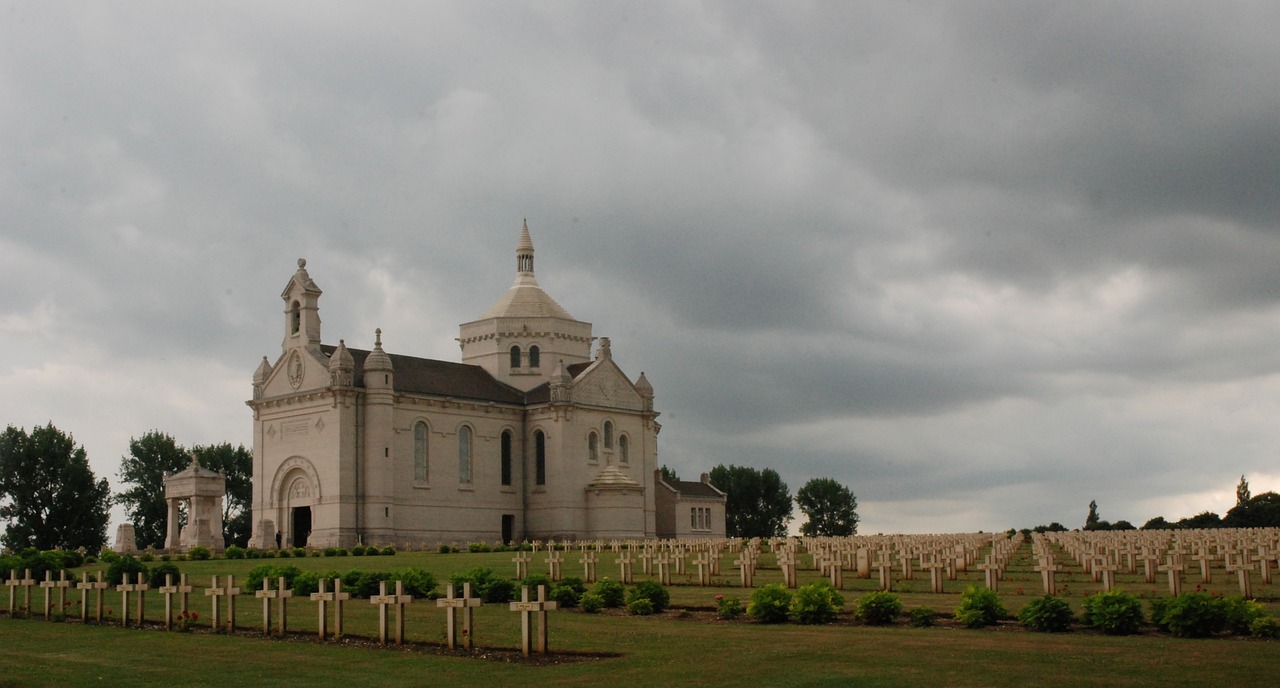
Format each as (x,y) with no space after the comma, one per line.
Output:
(377,338)
(524,250)
(302,263)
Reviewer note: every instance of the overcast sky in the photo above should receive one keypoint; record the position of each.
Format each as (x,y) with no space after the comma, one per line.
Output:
(981,262)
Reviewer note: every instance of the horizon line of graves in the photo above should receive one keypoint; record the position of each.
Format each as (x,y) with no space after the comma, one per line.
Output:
(1239,553)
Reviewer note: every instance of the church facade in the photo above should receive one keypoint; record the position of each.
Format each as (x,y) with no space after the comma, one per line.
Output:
(534,435)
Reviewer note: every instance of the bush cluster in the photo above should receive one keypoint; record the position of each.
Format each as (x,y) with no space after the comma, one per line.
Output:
(879,608)
(728,607)
(650,590)
(816,603)
(979,607)
(1047,614)
(770,603)
(485,584)
(923,617)
(1115,612)
(1200,615)
(611,592)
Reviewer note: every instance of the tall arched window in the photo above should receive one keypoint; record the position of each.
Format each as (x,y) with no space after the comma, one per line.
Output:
(593,449)
(506,457)
(420,473)
(623,449)
(515,357)
(464,455)
(295,318)
(540,458)
(535,356)
(608,434)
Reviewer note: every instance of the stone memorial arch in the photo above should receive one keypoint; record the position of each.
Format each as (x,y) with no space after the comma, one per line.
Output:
(203,491)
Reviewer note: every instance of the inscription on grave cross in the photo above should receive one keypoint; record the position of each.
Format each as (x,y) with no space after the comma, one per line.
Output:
(215,592)
(399,600)
(527,609)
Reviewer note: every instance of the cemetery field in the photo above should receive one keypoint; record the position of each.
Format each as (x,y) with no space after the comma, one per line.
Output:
(687,645)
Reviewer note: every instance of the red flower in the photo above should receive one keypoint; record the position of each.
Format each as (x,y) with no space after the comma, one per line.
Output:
(194,616)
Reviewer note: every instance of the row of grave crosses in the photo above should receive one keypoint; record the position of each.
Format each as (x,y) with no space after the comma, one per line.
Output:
(328,602)
(1235,551)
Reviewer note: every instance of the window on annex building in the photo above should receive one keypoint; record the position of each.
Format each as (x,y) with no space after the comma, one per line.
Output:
(515,357)
(295,318)
(420,466)
(506,457)
(624,449)
(608,434)
(540,458)
(593,447)
(535,356)
(464,455)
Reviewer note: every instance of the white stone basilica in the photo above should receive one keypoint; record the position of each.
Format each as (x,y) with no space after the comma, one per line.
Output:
(530,437)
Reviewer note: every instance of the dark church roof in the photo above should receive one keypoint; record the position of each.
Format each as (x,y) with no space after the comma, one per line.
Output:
(442,378)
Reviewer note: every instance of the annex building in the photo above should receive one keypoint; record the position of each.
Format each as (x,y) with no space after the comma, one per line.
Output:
(536,434)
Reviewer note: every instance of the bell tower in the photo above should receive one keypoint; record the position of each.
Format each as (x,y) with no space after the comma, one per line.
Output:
(301,312)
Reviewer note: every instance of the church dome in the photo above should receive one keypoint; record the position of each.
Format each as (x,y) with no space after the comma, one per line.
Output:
(525,298)
(342,358)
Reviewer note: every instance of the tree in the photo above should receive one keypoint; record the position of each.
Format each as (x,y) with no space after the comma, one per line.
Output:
(1242,492)
(49,496)
(830,507)
(237,509)
(1158,523)
(142,470)
(759,504)
(1204,519)
(1091,521)
(1262,511)
(668,474)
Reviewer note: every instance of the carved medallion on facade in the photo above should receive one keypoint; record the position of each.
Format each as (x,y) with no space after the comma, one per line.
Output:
(295,370)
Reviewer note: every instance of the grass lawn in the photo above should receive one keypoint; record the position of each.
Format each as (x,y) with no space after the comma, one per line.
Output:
(685,647)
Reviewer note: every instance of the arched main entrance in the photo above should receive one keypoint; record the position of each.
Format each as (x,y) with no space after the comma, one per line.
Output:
(296,492)
(299,525)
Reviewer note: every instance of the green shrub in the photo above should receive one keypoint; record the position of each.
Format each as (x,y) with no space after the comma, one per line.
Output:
(500,590)
(590,602)
(1115,612)
(879,608)
(357,551)
(1194,615)
(444,549)
(417,582)
(71,559)
(770,603)
(267,553)
(164,557)
(1047,614)
(342,551)
(199,553)
(535,580)
(253,580)
(816,603)
(369,551)
(331,551)
(234,552)
(285,553)
(475,547)
(650,590)
(308,582)
(1265,627)
(565,596)
(122,566)
(146,557)
(611,592)
(159,571)
(923,617)
(1158,606)
(728,607)
(107,556)
(979,607)
(386,551)
(641,606)
(1241,614)
(299,552)
(567,591)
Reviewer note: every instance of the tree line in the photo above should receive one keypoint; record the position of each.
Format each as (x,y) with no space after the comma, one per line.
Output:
(759,503)
(51,499)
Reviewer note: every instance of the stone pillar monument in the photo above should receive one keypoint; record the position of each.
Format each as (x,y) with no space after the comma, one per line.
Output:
(203,490)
